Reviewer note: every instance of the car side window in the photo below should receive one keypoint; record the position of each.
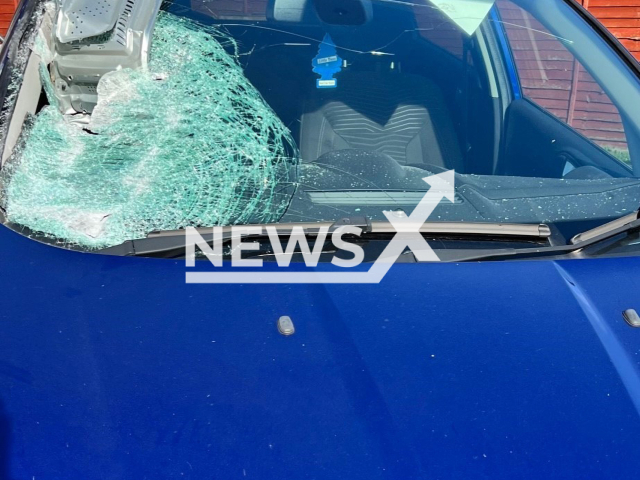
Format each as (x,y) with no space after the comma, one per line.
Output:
(553,78)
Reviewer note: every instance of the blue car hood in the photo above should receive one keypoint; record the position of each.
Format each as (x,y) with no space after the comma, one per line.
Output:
(114,368)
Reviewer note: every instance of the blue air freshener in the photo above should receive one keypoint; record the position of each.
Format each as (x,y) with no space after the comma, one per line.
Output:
(327,64)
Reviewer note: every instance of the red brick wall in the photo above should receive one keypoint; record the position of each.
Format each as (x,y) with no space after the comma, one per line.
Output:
(7,7)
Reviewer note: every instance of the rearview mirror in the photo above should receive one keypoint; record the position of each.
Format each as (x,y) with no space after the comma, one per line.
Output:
(344,12)
(290,11)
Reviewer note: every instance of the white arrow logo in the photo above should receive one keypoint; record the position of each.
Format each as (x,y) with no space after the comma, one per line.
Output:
(407,236)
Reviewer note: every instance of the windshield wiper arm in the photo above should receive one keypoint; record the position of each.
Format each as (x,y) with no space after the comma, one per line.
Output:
(578,243)
(168,241)
(612,228)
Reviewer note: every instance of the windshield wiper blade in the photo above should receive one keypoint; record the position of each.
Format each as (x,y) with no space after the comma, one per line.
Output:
(173,240)
(448,228)
(158,243)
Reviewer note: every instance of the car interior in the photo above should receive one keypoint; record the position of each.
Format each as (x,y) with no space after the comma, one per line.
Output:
(392,104)
(402,96)
(409,104)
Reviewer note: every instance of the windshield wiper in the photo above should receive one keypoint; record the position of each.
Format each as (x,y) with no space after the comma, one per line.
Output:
(577,244)
(626,223)
(158,243)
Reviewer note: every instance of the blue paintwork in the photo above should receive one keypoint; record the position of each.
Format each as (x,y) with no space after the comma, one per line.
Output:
(113,368)
(509,62)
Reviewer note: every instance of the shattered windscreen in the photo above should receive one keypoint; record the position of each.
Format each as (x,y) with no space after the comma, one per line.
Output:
(209,112)
(186,141)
